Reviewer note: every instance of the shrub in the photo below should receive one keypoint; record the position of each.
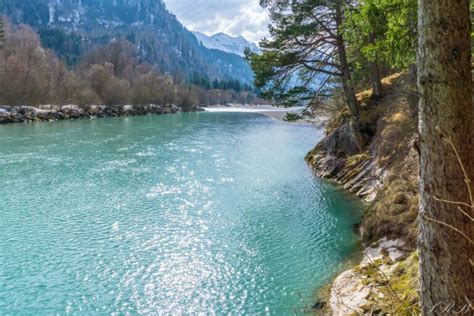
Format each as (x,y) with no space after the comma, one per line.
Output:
(292,117)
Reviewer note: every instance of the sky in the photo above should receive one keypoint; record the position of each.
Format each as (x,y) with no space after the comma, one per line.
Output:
(233,17)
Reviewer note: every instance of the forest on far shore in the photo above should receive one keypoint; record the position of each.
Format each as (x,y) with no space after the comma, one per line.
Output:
(111,74)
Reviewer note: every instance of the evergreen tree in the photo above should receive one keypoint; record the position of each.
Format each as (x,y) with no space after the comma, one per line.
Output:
(384,31)
(215,84)
(306,41)
(364,28)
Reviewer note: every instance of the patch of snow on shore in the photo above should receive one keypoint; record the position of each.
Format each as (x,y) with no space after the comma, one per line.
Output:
(251,110)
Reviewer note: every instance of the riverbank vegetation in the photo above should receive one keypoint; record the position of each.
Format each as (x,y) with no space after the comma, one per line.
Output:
(112,74)
(378,141)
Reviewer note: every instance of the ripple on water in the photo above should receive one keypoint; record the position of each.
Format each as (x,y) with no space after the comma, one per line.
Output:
(210,213)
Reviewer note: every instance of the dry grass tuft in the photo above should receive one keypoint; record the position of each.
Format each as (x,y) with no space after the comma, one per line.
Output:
(392,79)
(394,213)
(398,117)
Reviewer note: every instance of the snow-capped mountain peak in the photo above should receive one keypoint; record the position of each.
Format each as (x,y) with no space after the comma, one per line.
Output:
(226,43)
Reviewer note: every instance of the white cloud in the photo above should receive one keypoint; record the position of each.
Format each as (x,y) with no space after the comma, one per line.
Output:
(233,17)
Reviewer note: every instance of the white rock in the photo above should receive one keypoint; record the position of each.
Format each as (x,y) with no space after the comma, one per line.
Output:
(393,243)
(371,255)
(395,254)
(393,247)
(348,294)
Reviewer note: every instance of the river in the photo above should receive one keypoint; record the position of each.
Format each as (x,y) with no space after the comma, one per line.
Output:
(210,213)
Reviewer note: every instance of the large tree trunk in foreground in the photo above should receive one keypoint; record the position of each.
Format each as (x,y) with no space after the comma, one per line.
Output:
(2,32)
(444,82)
(347,84)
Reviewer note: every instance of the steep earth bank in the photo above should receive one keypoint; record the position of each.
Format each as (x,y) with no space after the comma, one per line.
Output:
(377,160)
(19,114)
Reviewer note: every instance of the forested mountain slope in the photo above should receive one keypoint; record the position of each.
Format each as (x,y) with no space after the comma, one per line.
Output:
(72,27)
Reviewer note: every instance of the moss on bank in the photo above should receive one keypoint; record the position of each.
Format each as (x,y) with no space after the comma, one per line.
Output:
(393,286)
(384,172)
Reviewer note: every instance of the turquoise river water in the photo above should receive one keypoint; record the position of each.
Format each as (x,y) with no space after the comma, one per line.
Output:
(210,213)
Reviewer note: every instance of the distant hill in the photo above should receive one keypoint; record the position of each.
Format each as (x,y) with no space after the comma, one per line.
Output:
(226,43)
(72,27)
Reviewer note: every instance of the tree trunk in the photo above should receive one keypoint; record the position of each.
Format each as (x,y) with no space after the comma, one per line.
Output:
(374,73)
(347,85)
(445,86)
(375,82)
(2,32)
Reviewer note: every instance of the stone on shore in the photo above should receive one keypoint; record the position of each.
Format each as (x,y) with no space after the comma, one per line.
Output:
(17,114)
(353,291)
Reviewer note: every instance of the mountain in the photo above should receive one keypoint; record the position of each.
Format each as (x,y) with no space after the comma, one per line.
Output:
(226,43)
(73,27)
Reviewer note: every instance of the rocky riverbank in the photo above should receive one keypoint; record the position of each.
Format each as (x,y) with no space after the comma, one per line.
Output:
(377,160)
(20,114)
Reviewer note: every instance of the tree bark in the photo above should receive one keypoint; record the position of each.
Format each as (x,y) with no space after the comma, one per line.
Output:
(347,84)
(374,73)
(375,82)
(445,86)
(2,32)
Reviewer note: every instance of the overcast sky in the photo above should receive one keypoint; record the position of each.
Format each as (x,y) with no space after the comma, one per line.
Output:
(233,17)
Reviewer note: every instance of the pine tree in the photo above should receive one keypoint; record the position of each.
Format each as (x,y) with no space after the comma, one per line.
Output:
(307,41)
(381,33)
